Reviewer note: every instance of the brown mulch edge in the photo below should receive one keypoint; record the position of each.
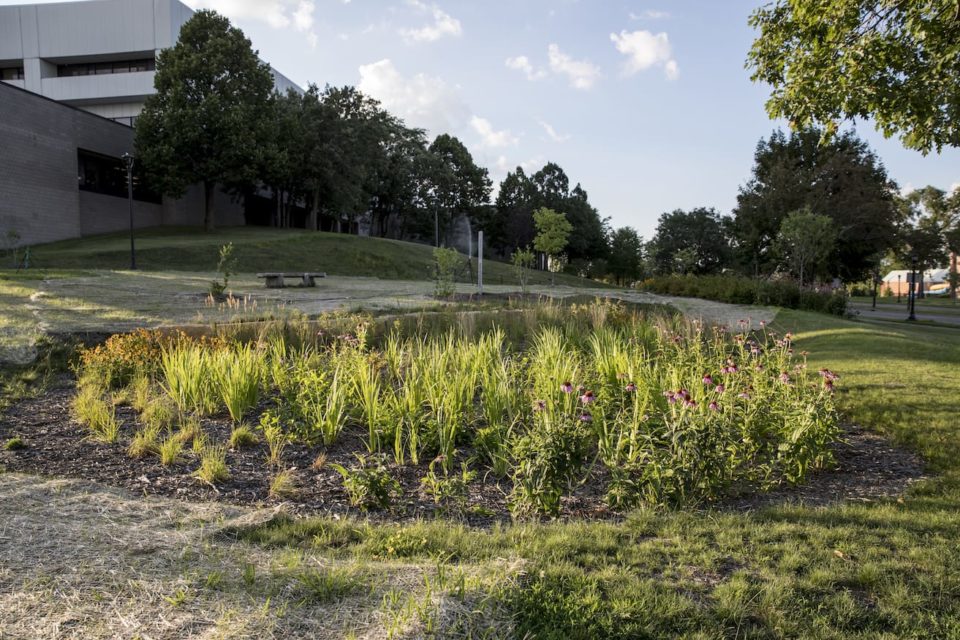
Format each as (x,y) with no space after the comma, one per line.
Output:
(868,468)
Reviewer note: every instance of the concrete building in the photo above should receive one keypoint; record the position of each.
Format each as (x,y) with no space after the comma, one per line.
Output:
(73,78)
(99,55)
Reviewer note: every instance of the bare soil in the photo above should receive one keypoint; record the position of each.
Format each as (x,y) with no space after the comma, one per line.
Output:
(868,468)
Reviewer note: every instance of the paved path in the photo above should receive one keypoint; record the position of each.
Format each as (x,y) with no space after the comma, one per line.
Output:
(943,315)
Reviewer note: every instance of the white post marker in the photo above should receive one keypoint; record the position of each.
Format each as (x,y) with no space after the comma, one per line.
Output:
(480,262)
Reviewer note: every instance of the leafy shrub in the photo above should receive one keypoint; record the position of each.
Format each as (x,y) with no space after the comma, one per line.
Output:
(123,357)
(740,290)
(449,490)
(369,484)
(547,461)
(277,439)
(15,443)
(226,266)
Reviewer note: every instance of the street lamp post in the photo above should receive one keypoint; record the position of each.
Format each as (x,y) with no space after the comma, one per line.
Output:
(898,288)
(911,293)
(128,161)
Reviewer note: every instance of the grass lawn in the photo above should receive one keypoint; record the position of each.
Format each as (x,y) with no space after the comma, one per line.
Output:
(259,249)
(887,569)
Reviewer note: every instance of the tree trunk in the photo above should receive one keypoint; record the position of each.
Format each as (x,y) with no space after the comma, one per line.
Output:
(210,193)
(314,222)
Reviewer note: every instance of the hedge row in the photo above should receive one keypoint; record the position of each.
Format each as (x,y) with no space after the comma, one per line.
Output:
(740,290)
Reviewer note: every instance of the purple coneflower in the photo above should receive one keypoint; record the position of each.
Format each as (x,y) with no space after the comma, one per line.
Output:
(586,417)
(566,387)
(720,388)
(587,397)
(828,385)
(539,405)
(785,377)
(689,403)
(707,380)
(714,406)
(630,388)
(744,395)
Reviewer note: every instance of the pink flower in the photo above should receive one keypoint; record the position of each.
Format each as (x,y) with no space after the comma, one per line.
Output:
(828,385)
(566,387)
(586,417)
(588,397)
(714,406)
(630,388)
(720,388)
(785,377)
(707,380)
(763,323)
(539,405)
(689,403)
(744,395)
(683,393)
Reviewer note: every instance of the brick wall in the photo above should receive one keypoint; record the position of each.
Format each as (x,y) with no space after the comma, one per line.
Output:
(39,196)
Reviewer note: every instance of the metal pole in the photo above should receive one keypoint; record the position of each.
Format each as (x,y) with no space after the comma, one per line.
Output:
(480,262)
(912,300)
(128,161)
(898,288)
(436,227)
(876,278)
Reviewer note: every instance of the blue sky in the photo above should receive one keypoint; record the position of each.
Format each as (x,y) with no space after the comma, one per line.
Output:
(646,104)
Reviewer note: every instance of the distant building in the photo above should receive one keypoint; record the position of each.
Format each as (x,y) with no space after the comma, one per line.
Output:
(60,170)
(898,282)
(98,55)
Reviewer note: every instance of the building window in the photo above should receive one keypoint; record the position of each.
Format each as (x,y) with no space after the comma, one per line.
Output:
(106,175)
(11,73)
(102,68)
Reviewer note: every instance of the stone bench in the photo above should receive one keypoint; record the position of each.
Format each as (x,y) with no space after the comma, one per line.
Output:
(275,280)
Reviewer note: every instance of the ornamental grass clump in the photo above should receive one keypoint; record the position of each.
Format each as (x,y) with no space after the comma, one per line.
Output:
(92,409)
(213,465)
(237,373)
(188,377)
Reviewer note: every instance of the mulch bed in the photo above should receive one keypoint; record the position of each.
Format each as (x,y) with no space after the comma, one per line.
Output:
(868,468)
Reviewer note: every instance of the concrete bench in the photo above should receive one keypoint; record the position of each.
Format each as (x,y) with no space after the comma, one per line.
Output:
(275,280)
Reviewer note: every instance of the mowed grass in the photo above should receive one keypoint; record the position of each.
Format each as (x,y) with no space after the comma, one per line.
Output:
(261,249)
(885,569)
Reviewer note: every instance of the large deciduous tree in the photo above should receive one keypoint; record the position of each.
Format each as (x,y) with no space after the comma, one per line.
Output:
(841,179)
(209,120)
(626,255)
(895,61)
(698,238)
(453,183)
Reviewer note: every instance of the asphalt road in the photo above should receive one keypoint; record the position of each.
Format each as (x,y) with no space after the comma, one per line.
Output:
(943,315)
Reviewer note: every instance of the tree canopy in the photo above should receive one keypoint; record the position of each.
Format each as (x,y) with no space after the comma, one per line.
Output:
(894,61)
(840,178)
(697,238)
(210,118)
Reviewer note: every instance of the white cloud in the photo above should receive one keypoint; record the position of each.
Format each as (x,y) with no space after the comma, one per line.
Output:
(645,50)
(443,25)
(552,133)
(650,14)
(421,100)
(581,73)
(522,63)
(491,138)
(279,14)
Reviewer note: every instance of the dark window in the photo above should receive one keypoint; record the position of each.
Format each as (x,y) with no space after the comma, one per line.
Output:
(99,173)
(101,68)
(11,73)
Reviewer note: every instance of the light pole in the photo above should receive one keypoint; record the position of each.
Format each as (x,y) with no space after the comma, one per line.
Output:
(128,161)
(911,293)
(898,288)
